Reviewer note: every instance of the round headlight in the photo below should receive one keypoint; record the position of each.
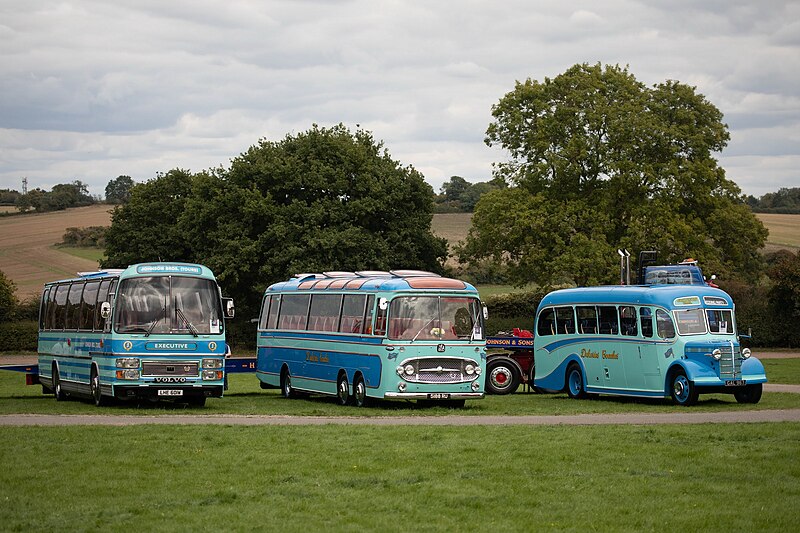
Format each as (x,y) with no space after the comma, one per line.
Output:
(409,370)
(469,369)
(746,353)
(717,354)
(477,371)
(399,370)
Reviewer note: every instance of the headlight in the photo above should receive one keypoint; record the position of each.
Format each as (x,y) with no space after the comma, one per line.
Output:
(400,370)
(212,374)
(212,363)
(469,369)
(128,362)
(746,353)
(717,354)
(409,370)
(476,385)
(127,374)
(477,371)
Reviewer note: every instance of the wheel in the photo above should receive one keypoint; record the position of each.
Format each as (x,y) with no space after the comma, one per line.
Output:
(360,392)
(749,394)
(58,391)
(683,391)
(94,383)
(286,384)
(343,390)
(575,387)
(501,378)
(531,376)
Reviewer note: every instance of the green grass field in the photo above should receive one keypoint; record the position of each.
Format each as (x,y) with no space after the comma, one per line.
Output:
(84,252)
(245,397)
(337,478)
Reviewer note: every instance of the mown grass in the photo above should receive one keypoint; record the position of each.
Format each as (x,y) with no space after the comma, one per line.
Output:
(783,370)
(334,478)
(245,397)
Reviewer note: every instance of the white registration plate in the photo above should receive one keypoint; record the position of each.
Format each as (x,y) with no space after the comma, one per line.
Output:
(170,392)
(735,383)
(439,396)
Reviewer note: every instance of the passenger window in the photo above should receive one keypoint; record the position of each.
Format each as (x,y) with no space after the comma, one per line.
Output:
(73,306)
(272,321)
(353,313)
(608,320)
(294,312)
(324,314)
(369,314)
(546,325)
(262,322)
(106,286)
(646,318)
(88,302)
(380,321)
(59,309)
(565,320)
(43,308)
(664,325)
(627,321)
(587,320)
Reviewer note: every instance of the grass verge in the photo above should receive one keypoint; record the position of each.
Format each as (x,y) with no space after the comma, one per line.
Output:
(84,252)
(332,478)
(245,397)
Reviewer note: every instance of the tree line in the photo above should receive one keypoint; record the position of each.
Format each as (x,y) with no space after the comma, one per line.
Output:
(785,201)
(65,195)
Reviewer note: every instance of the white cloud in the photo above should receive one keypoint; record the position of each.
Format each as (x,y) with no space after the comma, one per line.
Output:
(93,89)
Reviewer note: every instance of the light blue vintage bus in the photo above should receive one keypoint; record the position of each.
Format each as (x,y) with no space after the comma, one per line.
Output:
(401,334)
(656,341)
(153,330)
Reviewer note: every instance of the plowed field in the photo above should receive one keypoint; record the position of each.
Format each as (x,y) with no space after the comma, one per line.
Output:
(26,253)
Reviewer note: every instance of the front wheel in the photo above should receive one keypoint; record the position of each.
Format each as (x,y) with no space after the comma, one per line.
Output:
(749,394)
(683,391)
(575,387)
(501,378)
(94,383)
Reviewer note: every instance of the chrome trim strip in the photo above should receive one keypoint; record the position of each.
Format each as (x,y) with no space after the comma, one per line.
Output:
(424,395)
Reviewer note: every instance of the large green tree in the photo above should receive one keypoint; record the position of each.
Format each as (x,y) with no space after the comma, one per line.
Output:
(324,199)
(118,190)
(600,161)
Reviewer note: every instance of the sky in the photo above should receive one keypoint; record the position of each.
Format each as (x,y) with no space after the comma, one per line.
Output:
(91,90)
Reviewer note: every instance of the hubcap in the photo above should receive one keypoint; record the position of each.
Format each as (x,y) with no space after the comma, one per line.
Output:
(575,382)
(500,377)
(343,390)
(680,387)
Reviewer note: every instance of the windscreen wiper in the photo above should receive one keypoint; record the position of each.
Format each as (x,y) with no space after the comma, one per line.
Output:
(162,314)
(186,320)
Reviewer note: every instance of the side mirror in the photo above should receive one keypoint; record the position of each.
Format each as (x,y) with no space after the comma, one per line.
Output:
(485,313)
(227,305)
(105,310)
(383,304)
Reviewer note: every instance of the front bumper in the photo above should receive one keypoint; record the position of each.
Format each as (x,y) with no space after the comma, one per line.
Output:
(429,396)
(125,392)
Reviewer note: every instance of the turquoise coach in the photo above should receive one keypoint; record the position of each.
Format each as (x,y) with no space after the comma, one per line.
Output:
(151,331)
(401,334)
(675,341)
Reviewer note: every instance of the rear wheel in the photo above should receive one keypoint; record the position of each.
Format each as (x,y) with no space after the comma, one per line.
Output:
(342,390)
(749,394)
(501,378)
(58,391)
(682,390)
(575,387)
(360,392)
(286,384)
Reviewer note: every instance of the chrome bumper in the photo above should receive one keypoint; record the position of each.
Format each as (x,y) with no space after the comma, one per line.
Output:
(425,396)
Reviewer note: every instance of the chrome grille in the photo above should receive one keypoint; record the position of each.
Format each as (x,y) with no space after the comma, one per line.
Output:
(439,370)
(730,365)
(170,368)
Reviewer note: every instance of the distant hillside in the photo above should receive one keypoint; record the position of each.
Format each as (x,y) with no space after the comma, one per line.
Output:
(26,253)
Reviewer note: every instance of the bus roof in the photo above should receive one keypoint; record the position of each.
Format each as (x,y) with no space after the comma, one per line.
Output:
(141,269)
(372,280)
(661,295)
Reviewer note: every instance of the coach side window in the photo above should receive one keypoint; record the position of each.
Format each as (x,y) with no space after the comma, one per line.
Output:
(546,324)
(608,320)
(102,296)
(264,317)
(646,318)
(629,326)
(369,314)
(565,320)
(272,321)
(294,312)
(353,313)
(587,319)
(88,303)
(60,306)
(664,325)
(324,315)
(43,308)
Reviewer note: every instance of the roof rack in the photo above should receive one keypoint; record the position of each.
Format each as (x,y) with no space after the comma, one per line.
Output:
(100,273)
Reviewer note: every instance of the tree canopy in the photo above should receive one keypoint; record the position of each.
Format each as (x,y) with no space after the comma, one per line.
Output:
(324,199)
(118,190)
(598,161)
(62,196)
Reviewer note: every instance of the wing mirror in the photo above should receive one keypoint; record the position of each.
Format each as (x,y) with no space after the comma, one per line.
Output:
(230,309)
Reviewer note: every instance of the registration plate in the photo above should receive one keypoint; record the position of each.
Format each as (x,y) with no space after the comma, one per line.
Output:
(170,392)
(735,383)
(439,396)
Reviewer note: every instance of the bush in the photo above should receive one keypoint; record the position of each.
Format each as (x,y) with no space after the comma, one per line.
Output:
(19,336)
(85,237)
(518,304)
